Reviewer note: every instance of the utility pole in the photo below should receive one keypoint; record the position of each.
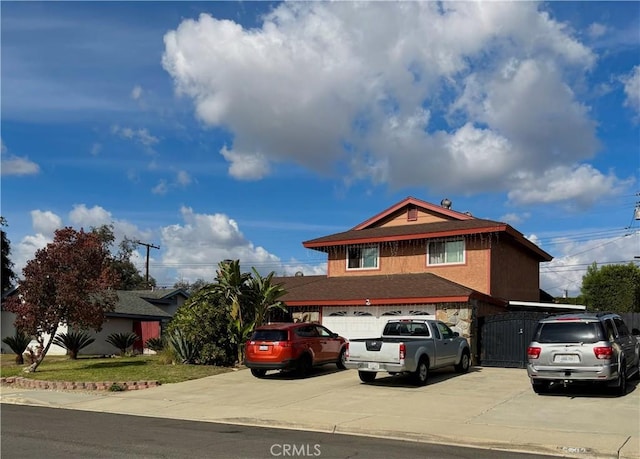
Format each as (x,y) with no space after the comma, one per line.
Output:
(148,246)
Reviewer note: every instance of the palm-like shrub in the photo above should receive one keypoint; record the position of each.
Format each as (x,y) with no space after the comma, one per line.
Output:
(18,344)
(73,342)
(155,344)
(122,341)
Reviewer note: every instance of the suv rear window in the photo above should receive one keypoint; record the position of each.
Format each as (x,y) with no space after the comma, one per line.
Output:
(270,335)
(569,332)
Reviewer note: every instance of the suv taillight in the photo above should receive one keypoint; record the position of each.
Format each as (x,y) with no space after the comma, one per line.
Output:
(285,343)
(403,351)
(603,352)
(533,352)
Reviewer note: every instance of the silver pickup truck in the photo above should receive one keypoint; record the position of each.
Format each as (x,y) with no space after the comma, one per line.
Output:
(412,346)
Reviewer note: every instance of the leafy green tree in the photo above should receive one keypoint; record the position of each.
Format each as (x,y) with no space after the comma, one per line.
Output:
(613,288)
(191,288)
(70,281)
(8,276)
(204,321)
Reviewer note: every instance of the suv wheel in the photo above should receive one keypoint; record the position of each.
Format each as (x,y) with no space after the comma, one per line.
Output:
(304,365)
(540,387)
(341,359)
(258,372)
(621,387)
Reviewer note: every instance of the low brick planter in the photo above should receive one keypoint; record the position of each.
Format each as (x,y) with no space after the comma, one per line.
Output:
(115,386)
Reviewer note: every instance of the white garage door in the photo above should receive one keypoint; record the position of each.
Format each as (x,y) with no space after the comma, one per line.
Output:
(367,322)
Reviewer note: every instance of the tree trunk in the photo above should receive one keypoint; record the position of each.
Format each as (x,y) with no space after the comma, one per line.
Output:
(34,366)
(19,359)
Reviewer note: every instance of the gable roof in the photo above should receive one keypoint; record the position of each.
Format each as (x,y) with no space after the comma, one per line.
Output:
(131,305)
(415,202)
(379,290)
(458,224)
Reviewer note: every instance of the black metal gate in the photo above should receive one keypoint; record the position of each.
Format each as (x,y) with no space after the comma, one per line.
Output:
(504,338)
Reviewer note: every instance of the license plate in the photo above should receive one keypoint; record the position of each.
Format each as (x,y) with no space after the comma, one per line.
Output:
(566,358)
(264,347)
(373,366)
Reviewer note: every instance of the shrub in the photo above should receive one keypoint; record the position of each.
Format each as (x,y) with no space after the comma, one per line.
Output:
(73,342)
(18,344)
(155,344)
(122,341)
(204,320)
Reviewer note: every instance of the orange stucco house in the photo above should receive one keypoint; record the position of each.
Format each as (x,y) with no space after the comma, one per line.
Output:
(417,258)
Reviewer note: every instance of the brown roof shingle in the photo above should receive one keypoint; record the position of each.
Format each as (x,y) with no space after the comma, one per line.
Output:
(379,289)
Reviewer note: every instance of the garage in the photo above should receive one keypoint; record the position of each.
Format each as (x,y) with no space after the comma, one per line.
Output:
(366,322)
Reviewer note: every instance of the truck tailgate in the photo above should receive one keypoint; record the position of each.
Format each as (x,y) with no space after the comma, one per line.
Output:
(374,350)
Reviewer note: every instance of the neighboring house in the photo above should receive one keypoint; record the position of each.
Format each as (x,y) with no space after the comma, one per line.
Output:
(143,312)
(417,258)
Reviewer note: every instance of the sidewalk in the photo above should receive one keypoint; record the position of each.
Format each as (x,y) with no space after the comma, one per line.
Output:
(491,408)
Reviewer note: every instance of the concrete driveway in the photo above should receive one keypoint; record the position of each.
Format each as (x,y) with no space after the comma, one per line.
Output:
(487,407)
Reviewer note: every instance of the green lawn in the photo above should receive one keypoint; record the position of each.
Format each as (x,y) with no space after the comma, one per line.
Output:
(92,369)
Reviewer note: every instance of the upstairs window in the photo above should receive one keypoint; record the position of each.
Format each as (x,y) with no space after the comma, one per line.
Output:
(445,252)
(362,257)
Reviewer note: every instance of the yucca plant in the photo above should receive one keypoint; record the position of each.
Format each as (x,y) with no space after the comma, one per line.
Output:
(18,344)
(122,341)
(185,350)
(155,344)
(73,342)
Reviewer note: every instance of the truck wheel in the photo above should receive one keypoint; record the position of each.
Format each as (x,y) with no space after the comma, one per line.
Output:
(258,373)
(422,372)
(367,376)
(465,362)
(341,359)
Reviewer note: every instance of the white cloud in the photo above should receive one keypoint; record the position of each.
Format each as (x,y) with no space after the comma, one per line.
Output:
(96,148)
(596,30)
(161,188)
(195,247)
(45,222)
(141,136)
(581,185)
(394,91)
(183,178)
(136,92)
(632,89)
(16,165)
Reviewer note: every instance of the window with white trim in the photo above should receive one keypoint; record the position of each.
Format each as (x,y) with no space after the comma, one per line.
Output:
(445,252)
(362,257)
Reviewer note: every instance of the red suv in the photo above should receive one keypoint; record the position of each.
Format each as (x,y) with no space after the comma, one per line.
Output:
(297,346)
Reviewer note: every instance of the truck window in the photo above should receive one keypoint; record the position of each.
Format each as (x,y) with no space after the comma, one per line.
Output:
(406,329)
(446,331)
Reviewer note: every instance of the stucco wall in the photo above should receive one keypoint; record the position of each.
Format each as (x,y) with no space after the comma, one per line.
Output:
(100,346)
(411,257)
(400,218)
(514,275)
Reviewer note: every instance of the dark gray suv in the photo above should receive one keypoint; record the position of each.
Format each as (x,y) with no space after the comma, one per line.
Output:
(585,347)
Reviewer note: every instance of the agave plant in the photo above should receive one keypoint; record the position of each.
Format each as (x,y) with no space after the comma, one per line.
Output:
(18,344)
(73,342)
(184,348)
(122,341)
(155,344)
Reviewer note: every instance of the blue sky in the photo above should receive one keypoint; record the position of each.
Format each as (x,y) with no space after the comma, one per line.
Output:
(239,130)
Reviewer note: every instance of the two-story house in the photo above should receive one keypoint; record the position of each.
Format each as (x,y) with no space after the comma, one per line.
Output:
(417,258)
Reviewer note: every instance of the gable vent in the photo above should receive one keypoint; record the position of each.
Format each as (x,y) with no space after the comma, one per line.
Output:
(412,213)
